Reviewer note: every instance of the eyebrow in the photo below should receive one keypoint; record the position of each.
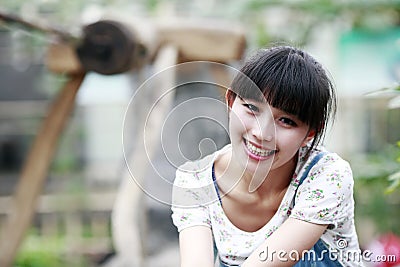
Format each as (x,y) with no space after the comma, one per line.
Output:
(252,99)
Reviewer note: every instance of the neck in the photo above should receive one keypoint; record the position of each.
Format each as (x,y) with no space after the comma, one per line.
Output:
(278,179)
(235,175)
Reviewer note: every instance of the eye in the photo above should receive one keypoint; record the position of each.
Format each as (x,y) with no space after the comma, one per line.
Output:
(288,122)
(252,107)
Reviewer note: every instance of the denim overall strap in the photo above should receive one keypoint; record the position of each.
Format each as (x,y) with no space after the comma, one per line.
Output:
(309,167)
(319,255)
(221,264)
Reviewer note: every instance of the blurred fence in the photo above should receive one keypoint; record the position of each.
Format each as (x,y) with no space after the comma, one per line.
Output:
(82,222)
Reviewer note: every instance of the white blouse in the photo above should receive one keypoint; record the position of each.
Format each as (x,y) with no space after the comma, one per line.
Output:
(325,197)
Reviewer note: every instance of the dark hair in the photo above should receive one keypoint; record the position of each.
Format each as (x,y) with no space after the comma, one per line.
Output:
(291,80)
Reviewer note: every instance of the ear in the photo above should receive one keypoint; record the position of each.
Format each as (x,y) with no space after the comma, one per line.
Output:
(309,136)
(230,97)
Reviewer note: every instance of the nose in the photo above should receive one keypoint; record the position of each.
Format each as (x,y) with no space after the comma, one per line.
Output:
(264,128)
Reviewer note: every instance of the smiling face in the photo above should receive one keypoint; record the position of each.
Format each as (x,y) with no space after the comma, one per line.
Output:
(281,99)
(264,137)
(292,81)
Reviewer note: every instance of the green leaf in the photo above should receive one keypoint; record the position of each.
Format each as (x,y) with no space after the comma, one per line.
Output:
(393,90)
(394,103)
(395,182)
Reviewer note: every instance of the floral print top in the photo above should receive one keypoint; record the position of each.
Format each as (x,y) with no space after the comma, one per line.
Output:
(324,197)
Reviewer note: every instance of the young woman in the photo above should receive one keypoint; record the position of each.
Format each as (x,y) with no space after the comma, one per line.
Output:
(274,196)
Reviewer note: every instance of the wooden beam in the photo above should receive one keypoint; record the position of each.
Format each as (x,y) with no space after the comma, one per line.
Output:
(35,170)
(62,58)
(203,40)
(36,25)
(64,202)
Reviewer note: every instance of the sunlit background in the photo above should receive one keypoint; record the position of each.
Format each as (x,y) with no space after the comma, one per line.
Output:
(357,41)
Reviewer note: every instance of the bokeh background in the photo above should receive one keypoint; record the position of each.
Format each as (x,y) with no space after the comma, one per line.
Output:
(357,41)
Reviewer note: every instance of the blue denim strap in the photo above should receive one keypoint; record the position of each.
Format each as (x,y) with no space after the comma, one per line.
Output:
(215,183)
(318,255)
(307,170)
(221,264)
(309,167)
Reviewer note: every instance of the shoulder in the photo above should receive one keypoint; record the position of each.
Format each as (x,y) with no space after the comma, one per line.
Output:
(330,176)
(326,194)
(322,159)
(198,172)
(333,162)
(334,168)
(194,173)
(330,172)
(193,184)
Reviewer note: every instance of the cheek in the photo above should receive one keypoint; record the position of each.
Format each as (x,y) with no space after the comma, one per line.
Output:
(237,119)
(235,124)
(290,138)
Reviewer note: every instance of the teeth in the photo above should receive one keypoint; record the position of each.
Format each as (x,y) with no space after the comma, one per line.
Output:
(257,151)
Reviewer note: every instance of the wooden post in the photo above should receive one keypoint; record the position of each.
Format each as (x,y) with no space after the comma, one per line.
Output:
(34,171)
(128,209)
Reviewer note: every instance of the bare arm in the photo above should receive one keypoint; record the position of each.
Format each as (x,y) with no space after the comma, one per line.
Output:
(289,240)
(196,247)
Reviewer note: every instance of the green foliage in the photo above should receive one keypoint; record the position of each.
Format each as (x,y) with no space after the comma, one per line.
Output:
(309,15)
(263,37)
(152,5)
(49,251)
(382,209)
(394,178)
(371,181)
(40,252)
(305,15)
(38,259)
(378,174)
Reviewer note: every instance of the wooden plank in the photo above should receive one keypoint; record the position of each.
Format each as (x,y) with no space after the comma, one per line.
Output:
(49,224)
(62,58)
(2,220)
(23,109)
(35,171)
(203,39)
(92,201)
(99,224)
(73,226)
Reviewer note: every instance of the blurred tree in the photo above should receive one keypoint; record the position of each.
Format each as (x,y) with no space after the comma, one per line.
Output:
(394,178)
(305,16)
(394,103)
(301,17)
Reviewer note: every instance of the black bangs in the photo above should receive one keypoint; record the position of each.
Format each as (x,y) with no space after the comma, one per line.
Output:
(293,88)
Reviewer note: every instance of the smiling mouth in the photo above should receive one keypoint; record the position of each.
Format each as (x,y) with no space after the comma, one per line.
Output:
(258,151)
